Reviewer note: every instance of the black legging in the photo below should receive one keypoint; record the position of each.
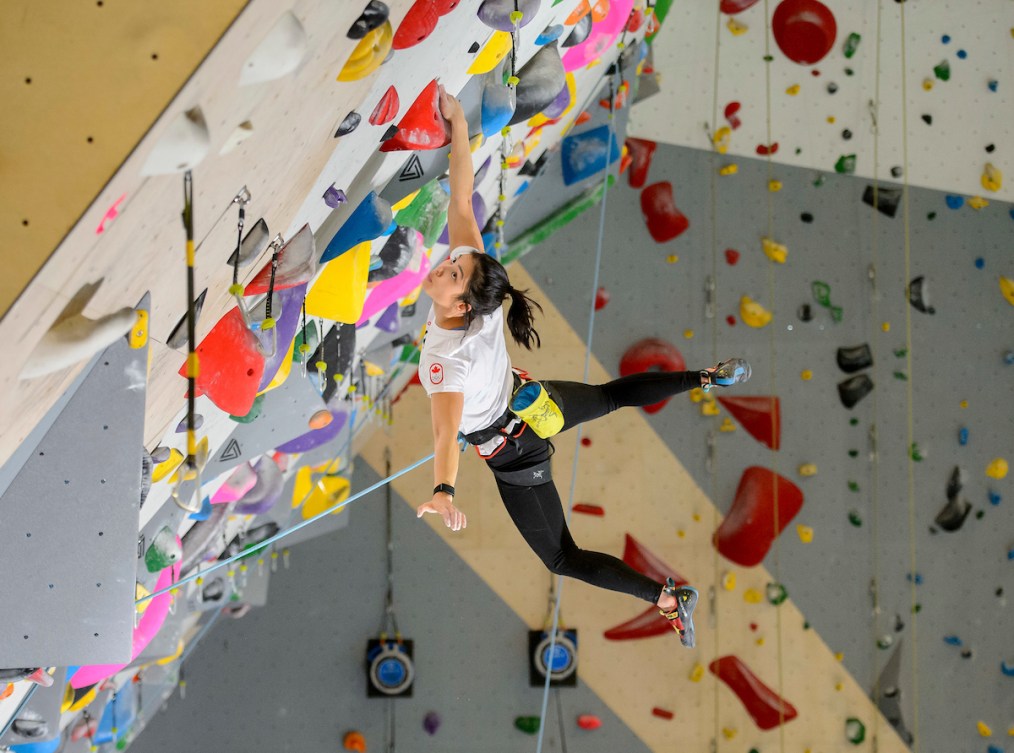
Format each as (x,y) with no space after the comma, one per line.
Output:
(537,510)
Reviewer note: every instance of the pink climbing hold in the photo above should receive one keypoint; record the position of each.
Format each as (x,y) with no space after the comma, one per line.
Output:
(422,126)
(601,298)
(761,416)
(111,214)
(231,365)
(664,220)
(767,708)
(804,30)
(648,624)
(641,152)
(606,28)
(419,23)
(386,109)
(730,115)
(763,500)
(731,256)
(652,354)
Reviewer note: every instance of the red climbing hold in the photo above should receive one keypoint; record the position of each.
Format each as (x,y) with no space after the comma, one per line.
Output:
(601,298)
(419,23)
(635,21)
(422,126)
(625,160)
(443,7)
(748,529)
(586,509)
(589,721)
(765,149)
(231,366)
(664,220)
(731,256)
(386,109)
(648,623)
(761,416)
(804,30)
(649,354)
(641,151)
(730,115)
(662,713)
(586,442)
(766,707)
(730,320)
(732,7)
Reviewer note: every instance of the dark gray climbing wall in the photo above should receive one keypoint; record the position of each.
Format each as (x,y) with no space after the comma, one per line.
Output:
(958,355)
(290,676)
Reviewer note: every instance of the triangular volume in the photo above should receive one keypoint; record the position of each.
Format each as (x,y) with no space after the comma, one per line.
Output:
(760,416)
(412,170)
(231,452)
(422,126)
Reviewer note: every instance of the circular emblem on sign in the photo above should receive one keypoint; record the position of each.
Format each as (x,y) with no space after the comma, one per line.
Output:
(436,373)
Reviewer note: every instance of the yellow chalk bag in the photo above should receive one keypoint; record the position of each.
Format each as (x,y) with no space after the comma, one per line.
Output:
(533,405)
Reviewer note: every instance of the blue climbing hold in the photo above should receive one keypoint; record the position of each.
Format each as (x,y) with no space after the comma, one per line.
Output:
(994,498)
(963,436)
(549,34)
(584,154)
(962,54)
(952,640)
(946,38)
(367,221)
(980,262)
(522,188)
(993,84)
(917,578)
(1008,358)
(205,512)
(499,101)
(954,202)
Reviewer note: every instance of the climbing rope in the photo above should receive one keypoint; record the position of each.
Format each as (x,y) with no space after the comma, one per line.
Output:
(776,524)
(607,170)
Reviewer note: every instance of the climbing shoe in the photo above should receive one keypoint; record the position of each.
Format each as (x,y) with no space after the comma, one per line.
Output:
(682,615)
(726,374)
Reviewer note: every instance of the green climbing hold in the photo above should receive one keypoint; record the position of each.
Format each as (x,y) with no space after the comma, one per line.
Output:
(776,593)
(255,411)
(885,641)
(916,609)
(806,624)
(853,421)
(900,352)
(768,58)
(306,337)
(854,519)
(818,181)
(846,164)
(853,453)
(931,216)
(851,44)
(853,486)
(409,354)
(527,724)
(855,730)
(915,453)
(942,70)
(901,376)
(427,213)
(163,552)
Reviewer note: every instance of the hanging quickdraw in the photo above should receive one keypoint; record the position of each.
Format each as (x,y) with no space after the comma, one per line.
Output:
(321,364)
(304,347)
(268,323)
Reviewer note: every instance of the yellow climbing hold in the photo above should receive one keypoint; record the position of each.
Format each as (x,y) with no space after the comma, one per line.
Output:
(830,119)
(474,143)
(729,581)
(792,90)
(405,202)
(776,252)
(963,404)
(727,425)
(808,469)
(319,494)
(722,138)
(139,332)
(163,469)
(997,468)
(688,334)
(977,202)
(736,27)
(372,369)
(672,258)
(496,49)
(805,533)
(984,729)
(140,592)
(709,408)
(886,326)
(839,686)
(927,83)
(760,641)
(753,596)
(774,186)
(696,395)
(697,673)
(697,517)
(839,656)
(681,534)
(369,54)
(728,732)
(1007,288)
(752,313)
(992,178)
(730,169)
(340,290)
(806,375)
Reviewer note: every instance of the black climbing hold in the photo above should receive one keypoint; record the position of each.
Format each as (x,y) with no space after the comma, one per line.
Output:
(806,217)
(580,31)
(855,358)
(178,337)
(405,339)
(408,311)
(336,350)
(979,514)
(887,199)
(846,134)
(395,255)
(351,123)
(799,150)
(373,16)
(927,119)
(849,71)
(990,148)
(805,313)
(931,216)
(854,389)
(966,653)
(535,168)
(918,295)
(832,87)
(954,513)
(389,133)
(897,172)
(474,48)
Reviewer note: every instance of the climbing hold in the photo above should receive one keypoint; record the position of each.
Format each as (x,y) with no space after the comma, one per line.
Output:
(354,741)
(776,252)
(339,292)
(431,722)
(774,186)
(942,70)
(731,169)
(648,354)
(885,200)
(601,298)
(983,729)
(422,126)
(641,152)
(373,16)
(499,101)
(747,532)
(776,593)
(387,107)
(855,730)
(993,84)
(334,197)
(541,81)
(805,533)
(759,415)
(731,7)
(846,164)
(807,469)
(854,358)
(792,90)
(997,468)
(765,150)
(589,721)
(855,519)
(579,32)
(736,27)
(729,581)
(954,202)
(927,119)
(499,14)
(851,44)
(427,213)
(977,202)
(296,265)
(366,222)
(549,34)
(663,219)
(753,313)
(662,713)
(496,50)
(396,254)
(927,84)
(389,292)
(854,389)
(731,116)
(918,295)
(804,30)
(846,134)
(764,705)
(527,724)
(731,256)
(369,54)
(586,509)
(74,337)
(584,155)
(963,436)
(992,178)
(418,23)
(1007,289)
(721,139)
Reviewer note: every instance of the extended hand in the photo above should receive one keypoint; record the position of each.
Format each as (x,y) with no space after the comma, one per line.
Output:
(450,107)
(443,506)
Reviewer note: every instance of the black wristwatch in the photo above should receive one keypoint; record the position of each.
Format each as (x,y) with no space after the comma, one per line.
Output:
(445,488)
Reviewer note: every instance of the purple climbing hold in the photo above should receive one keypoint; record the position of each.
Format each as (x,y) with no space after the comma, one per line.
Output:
(388,321)
(289,303)
(334,197)
(315,437)
(198,423)
(431,722)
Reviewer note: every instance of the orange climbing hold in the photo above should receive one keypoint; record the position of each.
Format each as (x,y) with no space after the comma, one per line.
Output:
(422,126)
(664,220)
(760,416)
(582,9)
(763,499)
(354,741)
(386,109)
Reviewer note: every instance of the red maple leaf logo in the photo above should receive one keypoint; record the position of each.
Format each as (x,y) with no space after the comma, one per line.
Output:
(436,373)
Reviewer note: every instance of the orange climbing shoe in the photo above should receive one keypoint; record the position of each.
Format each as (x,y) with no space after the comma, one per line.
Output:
(681,617)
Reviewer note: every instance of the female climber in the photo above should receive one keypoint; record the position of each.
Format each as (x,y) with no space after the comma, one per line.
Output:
(466,370)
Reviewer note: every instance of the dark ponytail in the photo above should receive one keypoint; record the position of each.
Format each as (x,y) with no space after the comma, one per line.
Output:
(488,285)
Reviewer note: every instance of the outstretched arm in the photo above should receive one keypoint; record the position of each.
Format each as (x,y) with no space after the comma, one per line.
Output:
(462,229)
(445,410)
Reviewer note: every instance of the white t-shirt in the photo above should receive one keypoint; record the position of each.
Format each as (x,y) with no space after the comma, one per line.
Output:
(474,362)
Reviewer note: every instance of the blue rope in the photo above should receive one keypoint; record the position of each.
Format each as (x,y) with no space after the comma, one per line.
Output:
(577,440)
